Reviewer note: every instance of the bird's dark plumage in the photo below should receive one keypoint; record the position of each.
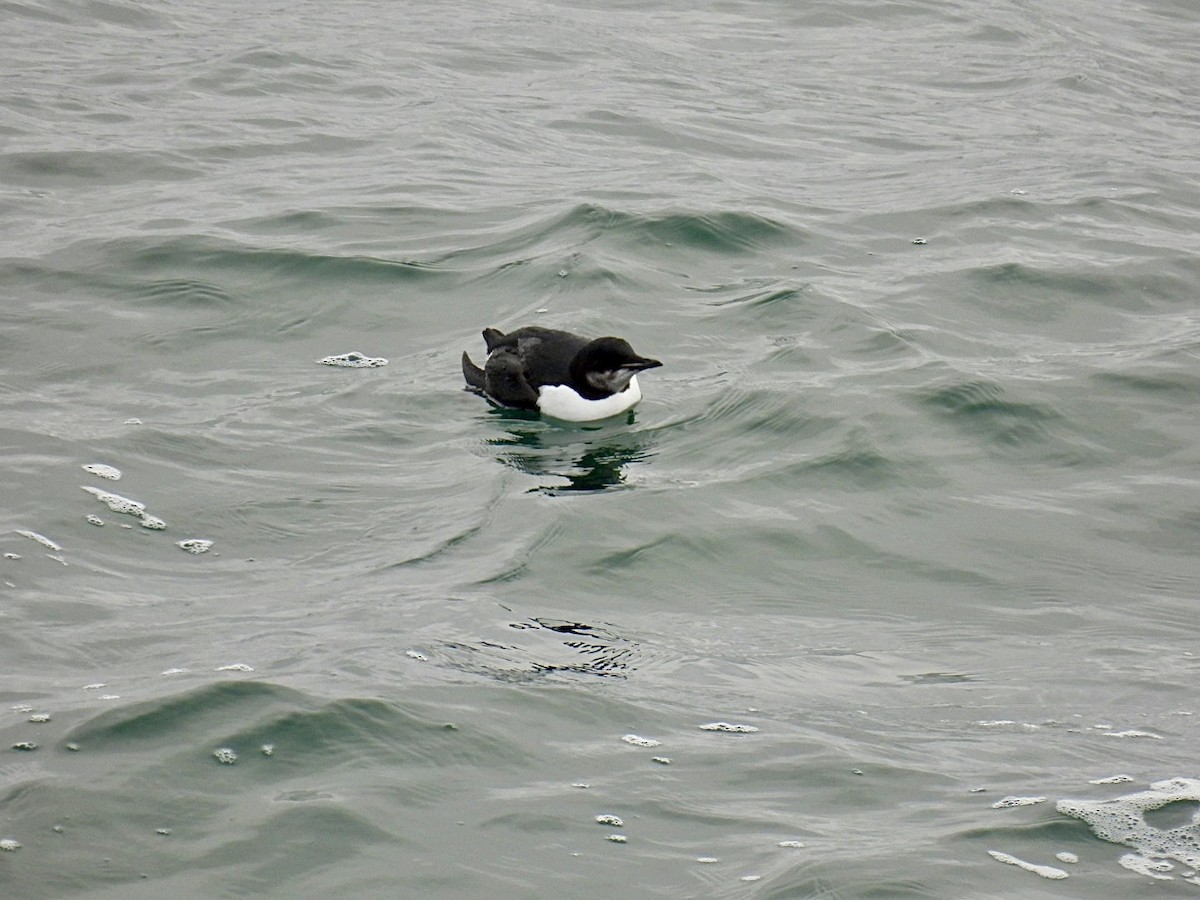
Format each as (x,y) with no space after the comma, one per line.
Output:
(523,362)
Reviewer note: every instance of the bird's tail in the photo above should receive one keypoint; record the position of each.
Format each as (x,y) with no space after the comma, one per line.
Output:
(472,373)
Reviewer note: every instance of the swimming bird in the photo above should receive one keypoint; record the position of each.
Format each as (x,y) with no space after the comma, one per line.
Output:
(558,373)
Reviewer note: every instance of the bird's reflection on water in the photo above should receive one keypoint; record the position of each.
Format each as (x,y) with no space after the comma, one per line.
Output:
(591,457)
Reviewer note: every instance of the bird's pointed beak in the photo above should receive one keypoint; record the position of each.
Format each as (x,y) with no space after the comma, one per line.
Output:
(643,363)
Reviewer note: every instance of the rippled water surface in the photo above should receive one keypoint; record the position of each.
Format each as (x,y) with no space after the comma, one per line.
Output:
(908,518)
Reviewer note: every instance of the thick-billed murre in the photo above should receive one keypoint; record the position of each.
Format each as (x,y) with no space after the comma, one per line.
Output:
(558,373)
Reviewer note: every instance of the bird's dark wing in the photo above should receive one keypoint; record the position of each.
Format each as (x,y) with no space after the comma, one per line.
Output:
(506,382)
(545,353)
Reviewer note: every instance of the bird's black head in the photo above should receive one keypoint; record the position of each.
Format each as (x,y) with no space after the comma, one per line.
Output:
(604,366)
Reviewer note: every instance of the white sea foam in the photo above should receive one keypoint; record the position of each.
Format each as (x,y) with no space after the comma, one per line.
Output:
(39,538)
(1051,872)
(194,545)
(1122,820)
(353,360)
(112,473)
(726,726)
(1010,802)
(640,741)
(116,502)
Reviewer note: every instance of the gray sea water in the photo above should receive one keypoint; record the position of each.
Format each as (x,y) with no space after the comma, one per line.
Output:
(908,519)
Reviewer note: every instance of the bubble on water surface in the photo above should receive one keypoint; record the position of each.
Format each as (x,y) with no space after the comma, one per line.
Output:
(9,845)
(661,760)
(112,473)
(1122,820)
(353,360)
(154,523)
(27,746)
(94,520)
(116,502)
(1066,856)
(225,755)
(267,749)
(1133,733)
(94,686)
(1010,802)
(1112,779)
(38,718)
(707,860)
(726,726)
(1151,868)
(796,845)
(1051,872)
(194,545)
(640,741)
(617,838)
(235,667)
(614,821)
(39,538)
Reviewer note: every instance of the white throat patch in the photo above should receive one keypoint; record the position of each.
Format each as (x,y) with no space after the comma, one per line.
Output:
(563,402)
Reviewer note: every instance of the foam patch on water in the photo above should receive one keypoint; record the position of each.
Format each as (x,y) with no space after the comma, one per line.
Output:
(39,538)
(613,821)
(1112,779)
(640,741)
(154,523)
(726,726)
(194,545)
(116,502)
(1133,733)
(354,360)
(8,845)
(1051,872)
(1010,802)
(1122,820)
(112,473)
(225,756)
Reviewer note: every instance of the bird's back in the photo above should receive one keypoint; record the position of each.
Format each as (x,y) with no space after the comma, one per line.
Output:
(545,353)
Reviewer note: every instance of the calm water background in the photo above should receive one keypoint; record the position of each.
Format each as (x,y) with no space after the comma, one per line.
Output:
(915,493)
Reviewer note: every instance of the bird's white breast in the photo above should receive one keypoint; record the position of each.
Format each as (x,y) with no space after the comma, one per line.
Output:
(563,402)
